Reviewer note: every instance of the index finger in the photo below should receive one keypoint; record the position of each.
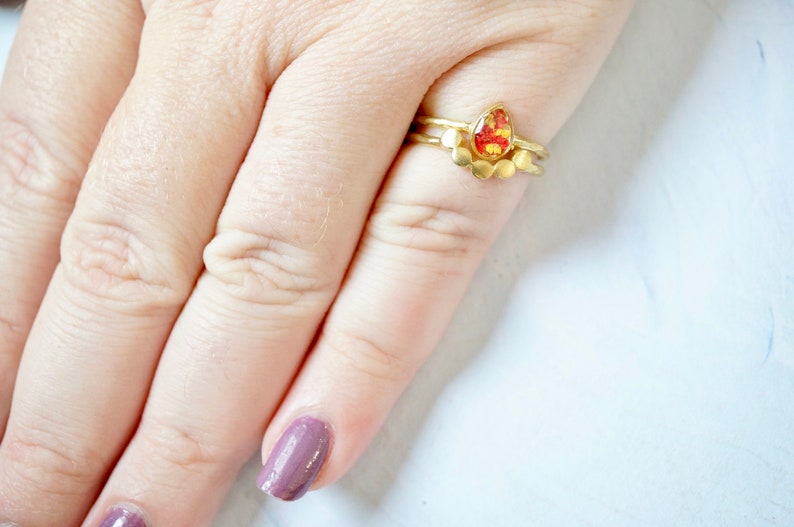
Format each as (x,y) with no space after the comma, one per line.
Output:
(68,67)
(130,253)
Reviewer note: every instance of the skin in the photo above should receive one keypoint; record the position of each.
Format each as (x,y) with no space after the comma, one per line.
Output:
(210,226)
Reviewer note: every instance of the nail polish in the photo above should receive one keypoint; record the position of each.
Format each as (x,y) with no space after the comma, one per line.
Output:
(123,516)
(296,459)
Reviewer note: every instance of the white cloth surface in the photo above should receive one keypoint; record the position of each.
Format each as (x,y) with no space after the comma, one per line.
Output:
(625,356)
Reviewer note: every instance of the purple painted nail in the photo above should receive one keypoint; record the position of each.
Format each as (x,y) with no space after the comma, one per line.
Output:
(123,516)
(296,459)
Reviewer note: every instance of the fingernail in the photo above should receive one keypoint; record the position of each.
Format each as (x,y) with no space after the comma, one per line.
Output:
(123,516)
(6,524)
(296,459)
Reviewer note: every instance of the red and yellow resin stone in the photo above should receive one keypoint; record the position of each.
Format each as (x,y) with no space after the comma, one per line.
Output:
(492,135)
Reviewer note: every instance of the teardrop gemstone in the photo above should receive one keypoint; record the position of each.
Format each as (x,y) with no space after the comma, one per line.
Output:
(492,135)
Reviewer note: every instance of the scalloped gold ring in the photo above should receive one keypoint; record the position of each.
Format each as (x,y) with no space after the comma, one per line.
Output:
(487,145)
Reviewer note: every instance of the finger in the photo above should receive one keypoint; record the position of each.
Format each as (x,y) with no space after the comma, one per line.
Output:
(66,72)
(289,227)
(130,255)
(428,231)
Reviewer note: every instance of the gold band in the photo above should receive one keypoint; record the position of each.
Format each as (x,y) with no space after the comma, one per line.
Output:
(493,148)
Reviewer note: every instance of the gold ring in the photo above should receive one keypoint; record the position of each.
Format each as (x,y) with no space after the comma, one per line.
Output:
(490,147)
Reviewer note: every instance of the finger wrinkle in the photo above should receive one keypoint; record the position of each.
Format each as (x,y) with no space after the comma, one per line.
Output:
(229,39)
(110,262)
(257,269)
(62,466)
(363,353)
(28,165)
(11,330)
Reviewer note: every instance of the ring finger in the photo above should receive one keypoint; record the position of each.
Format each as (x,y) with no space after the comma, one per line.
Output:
(425,237)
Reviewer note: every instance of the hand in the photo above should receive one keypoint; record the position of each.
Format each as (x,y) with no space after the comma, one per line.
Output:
(247,248)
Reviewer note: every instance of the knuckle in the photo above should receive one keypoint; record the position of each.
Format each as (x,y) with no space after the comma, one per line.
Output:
(13,332)
(111,262)
(13,325)
(237,27)
(182,447)
(443,231)
(260,269)
(367,356)
(42,460)
(586,9)
(28,167)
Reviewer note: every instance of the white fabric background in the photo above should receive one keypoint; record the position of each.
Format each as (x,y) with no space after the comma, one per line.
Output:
(625,356)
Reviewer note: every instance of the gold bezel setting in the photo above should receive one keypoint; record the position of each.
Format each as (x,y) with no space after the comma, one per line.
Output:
(493,147)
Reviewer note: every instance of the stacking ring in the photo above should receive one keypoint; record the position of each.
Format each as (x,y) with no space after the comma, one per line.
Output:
(487,145)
